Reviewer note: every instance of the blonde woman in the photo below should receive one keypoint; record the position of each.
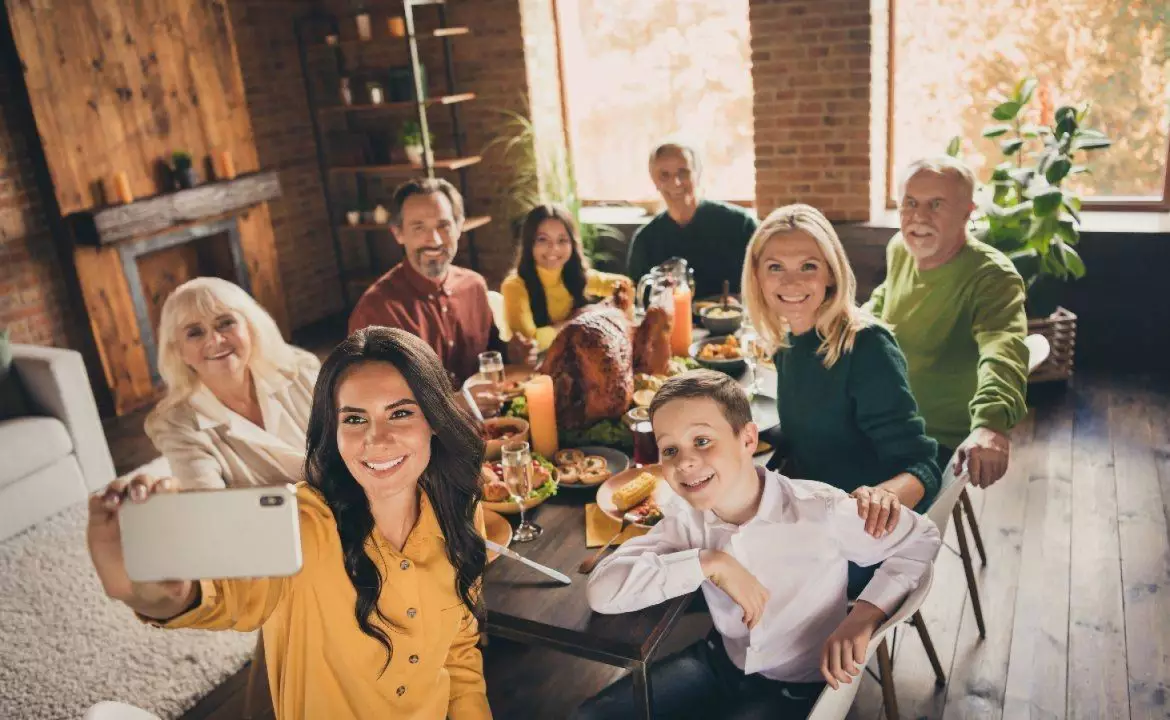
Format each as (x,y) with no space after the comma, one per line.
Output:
(846,410)
(238,396)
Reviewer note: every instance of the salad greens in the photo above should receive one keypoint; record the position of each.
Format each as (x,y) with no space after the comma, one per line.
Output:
(549,488)
(608,433)
(517,407)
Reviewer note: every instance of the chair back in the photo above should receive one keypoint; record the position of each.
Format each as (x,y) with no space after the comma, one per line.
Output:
(940,510)
(834,704)
(499,315)
(1038,351)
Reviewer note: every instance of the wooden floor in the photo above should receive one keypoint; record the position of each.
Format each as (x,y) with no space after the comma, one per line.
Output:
(1076,590)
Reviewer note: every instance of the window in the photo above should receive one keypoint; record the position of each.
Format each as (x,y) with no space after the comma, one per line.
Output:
(636,73)
(950,59)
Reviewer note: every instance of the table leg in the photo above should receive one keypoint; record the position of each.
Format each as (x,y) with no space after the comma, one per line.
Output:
(643,698)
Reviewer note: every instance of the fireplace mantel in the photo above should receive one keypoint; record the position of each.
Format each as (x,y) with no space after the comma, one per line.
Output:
(161,213)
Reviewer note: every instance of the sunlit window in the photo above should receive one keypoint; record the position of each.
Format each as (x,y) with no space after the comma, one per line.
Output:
(638,72)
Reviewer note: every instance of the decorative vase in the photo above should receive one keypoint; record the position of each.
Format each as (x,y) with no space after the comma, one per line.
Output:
(396,26)
(414,153)
(381,216)
(353,217)
(363,26)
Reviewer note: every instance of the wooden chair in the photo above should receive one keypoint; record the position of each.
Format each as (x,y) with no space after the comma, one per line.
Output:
(834,704)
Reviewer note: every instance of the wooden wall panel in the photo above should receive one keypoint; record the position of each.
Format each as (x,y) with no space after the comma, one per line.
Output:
(111,319)
(118,85)
(259,248)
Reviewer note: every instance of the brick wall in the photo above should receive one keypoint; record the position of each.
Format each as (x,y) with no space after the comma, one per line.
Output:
(811,72)
(33,299)
(274,87)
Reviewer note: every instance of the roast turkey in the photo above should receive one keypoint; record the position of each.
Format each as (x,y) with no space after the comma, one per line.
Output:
(591,364)
(592,360)
(652,343)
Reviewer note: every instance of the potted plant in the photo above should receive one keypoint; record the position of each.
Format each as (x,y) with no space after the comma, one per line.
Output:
(540,173)
(1026,212)
(411,139)
(183,169)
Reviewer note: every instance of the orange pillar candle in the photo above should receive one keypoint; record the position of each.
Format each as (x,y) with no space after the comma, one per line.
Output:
(680,334)
(542,415)
(122,188)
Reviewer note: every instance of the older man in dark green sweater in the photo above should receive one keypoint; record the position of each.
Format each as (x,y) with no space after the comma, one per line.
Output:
(711,236)
(957,309)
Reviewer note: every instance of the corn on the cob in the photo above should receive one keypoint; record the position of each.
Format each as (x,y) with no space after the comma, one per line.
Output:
(634,491)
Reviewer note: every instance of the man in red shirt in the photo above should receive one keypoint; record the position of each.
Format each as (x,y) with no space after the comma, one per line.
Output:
(443,304)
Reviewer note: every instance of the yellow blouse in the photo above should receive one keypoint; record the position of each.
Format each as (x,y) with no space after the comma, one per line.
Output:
(320,664)
(557,298)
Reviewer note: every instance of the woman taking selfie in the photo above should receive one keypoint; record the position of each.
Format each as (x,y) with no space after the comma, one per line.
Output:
(238,396)
(381,619)
(847,413)
(552,279)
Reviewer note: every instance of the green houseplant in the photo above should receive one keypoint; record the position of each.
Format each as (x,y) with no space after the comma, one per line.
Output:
(1024,210)
(540,174)
(411,139)
(183,169)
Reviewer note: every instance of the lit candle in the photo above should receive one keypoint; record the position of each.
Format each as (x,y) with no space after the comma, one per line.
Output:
(680,337)
(542,415)
(122,188)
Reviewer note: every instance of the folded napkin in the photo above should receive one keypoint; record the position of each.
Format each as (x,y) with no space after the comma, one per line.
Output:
(599,528)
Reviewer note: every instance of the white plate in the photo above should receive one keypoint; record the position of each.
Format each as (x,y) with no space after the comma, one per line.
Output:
(616,461)
(663,495)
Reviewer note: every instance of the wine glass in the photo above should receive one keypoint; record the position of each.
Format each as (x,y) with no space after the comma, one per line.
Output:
(749,340)
(517,464)
(491,366)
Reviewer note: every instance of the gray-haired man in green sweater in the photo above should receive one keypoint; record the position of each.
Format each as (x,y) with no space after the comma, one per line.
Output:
(956,306)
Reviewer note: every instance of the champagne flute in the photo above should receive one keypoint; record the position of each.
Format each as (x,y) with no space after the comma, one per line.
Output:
(749,340)
(517,464)
(491,366)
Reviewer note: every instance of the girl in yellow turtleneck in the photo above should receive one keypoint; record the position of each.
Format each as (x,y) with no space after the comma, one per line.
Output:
(552,279)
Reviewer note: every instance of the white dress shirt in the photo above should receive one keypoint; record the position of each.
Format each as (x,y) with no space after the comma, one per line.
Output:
(798,546)
(209,445)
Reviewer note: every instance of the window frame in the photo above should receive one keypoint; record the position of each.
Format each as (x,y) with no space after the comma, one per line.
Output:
(1106,203)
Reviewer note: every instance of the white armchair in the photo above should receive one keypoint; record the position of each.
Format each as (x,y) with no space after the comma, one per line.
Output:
(57,456)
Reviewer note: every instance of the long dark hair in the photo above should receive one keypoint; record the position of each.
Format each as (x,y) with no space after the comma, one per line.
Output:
(451,479)
(573,274)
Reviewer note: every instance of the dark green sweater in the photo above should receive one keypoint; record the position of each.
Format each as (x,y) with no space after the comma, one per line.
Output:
(856,423)
(713,243)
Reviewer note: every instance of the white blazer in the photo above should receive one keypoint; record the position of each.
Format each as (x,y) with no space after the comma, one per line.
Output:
(210,446)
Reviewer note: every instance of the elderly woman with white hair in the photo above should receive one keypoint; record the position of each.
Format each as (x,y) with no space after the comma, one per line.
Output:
(847,413)
(237,395)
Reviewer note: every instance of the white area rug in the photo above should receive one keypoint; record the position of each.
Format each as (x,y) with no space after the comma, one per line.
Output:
(65,646)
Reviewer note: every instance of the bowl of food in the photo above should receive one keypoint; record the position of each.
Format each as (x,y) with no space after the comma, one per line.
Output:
(496,495)
(500,430)
(721,320)
(722,352)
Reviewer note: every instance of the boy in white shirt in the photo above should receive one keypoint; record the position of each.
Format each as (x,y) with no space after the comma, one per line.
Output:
(771,556)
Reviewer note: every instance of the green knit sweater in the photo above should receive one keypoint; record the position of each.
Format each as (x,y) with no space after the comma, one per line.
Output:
(854,424)
(962,327)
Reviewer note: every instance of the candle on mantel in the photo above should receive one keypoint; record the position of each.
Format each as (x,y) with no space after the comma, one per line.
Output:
(542,415)
(122,188)
(225,167)
(680,334)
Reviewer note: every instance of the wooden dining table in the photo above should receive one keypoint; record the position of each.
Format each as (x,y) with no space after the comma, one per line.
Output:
(529,607)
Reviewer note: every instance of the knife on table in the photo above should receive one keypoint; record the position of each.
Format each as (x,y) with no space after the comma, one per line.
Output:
(534,565)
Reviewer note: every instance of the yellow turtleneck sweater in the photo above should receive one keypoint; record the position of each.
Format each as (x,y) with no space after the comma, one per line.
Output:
(559,302)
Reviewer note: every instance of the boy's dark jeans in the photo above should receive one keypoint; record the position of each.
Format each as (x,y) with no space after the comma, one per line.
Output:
(702,682)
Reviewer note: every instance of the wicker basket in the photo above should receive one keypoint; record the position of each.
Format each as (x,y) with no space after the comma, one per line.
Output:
(1061,330)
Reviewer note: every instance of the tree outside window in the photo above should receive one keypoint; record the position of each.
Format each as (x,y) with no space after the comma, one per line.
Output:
(636,73)
(951,61)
